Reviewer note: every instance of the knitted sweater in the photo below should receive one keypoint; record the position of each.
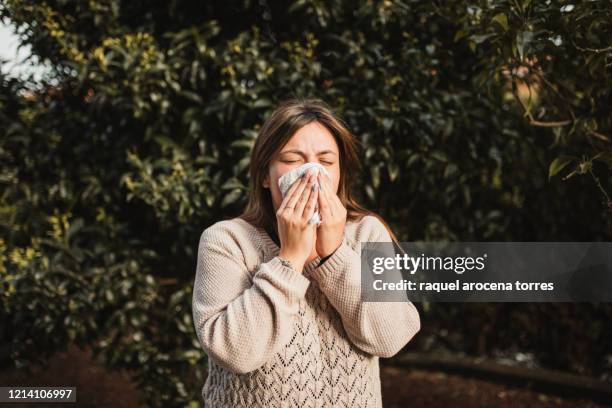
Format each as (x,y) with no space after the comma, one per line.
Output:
(275,337)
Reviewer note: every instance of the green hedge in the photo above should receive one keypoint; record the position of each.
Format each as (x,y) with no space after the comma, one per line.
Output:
(469,114)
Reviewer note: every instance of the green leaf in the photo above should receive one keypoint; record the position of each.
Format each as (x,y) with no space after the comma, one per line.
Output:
(262,103)
(296,6)
(480,38)
(605,157)
(393,170)
(375,176)
(191,96)
(232,183)
(231,197)
(459,35)
(559,164)
(370,192)
(243,143)
(440,156)
(387,123)
(502,20)
(523,39)
(250,133)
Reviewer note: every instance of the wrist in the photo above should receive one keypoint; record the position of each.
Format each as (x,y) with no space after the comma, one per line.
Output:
(296,262)
(325,257)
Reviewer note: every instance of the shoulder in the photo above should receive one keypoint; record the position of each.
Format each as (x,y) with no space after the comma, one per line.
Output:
(232,235)
(231,242)
(368,228)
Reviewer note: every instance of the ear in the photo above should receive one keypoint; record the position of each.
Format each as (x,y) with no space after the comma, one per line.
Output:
(266,182)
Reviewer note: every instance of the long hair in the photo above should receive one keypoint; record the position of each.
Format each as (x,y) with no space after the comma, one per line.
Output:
(280,126)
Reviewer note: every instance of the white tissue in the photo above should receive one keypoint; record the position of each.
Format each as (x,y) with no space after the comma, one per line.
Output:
(287,179)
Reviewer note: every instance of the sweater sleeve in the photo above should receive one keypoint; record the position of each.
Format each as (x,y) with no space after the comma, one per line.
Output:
(242,321)
(377,328)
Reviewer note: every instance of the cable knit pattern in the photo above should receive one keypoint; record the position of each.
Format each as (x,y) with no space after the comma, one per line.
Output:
(277,338)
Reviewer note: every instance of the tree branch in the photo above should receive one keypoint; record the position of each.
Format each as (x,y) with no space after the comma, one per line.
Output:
(599,136)
(549,124)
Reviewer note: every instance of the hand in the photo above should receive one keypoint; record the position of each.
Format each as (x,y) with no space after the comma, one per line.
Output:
(297,237)
(333,215)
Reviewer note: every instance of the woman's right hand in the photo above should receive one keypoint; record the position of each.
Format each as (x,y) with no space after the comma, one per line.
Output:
(297,237)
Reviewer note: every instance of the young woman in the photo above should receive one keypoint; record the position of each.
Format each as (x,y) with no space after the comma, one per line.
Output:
(276,301)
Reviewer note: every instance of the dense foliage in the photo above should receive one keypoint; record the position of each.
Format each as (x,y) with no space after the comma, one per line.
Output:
(469,115)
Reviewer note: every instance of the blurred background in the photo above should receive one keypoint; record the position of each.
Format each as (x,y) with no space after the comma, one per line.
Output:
(126,130)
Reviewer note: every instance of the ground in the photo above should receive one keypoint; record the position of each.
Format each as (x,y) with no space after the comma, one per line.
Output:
(401,387)
(416,388)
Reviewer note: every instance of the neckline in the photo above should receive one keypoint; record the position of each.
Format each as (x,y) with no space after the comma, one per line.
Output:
(273,248)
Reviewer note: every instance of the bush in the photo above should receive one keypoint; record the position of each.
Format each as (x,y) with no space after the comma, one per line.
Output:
(468,114)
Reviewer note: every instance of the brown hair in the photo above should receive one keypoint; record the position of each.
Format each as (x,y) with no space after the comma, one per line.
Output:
(290,116)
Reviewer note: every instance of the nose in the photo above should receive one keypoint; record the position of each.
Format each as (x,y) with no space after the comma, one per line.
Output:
(311,158)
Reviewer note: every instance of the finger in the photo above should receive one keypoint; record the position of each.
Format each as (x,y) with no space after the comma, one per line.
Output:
(298,193)
(324,207)
(332,198)
(293,194)
(289,192)
(304,197)
(309,209)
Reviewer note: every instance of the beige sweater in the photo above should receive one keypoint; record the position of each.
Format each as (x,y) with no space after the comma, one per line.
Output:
(278,338)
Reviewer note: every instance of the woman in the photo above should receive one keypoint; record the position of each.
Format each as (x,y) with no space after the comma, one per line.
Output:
(276,300)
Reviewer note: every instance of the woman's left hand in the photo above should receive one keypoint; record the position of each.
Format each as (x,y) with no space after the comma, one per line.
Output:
(333,215)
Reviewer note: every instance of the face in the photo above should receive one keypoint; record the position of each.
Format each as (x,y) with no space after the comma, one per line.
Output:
(311,143)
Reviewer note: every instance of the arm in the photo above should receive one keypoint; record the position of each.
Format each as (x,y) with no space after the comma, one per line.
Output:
(240,323)
(378,328)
